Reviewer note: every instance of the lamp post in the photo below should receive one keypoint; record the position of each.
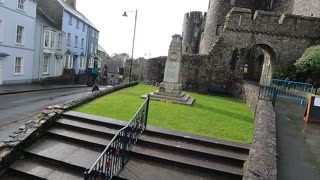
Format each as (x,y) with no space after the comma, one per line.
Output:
(134,37)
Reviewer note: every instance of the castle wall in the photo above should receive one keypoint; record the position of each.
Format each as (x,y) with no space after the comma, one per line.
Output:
(218,9)
(307,8)
(191,34)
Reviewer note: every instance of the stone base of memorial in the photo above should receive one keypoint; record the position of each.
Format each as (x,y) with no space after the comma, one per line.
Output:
(171,92)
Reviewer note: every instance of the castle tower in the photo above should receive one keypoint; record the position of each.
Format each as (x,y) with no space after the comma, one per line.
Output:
(217,11)
(191,33)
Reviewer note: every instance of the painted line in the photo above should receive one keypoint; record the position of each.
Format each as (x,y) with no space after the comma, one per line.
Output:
(30,99)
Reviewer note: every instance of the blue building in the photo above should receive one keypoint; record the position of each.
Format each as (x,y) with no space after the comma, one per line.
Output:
(76,28)
(17,35)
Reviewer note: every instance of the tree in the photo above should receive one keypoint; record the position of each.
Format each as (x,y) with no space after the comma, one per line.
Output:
(308,66)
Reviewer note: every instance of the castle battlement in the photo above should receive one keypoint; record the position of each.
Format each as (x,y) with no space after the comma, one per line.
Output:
(271,23)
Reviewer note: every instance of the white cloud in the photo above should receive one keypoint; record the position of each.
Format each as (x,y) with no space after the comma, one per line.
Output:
(157,22)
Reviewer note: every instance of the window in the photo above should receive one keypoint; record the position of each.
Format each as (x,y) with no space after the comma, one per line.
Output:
(53,39)
(21,4)
(82,43)
(92,33)
(82,64)
(69,39)
(68,63)
(91,49)
(76,42)
(46,38)
(18,66)
(20,31)
(232,2)
(46,61)
(97,35)
(78,23)
(95,49)
(59,46)
(70,19)
(218,30)
(91,62)
(1,30)
(83,27)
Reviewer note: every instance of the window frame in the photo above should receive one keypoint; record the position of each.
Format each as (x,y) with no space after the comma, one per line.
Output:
(21,66)
(78,24)
(82,63)
(69,39)
(23,5)
(91,62)
(82,43)
(83,27)
(68,61)
(22,35)
(76,40)
(1,29)
(46,32)
(70,20)
(47,65)
(53,40)
(59,41)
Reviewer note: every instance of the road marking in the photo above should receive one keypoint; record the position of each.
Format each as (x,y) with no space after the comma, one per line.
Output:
(30,99)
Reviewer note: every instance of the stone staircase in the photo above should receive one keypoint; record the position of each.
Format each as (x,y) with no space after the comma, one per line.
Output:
(74,143)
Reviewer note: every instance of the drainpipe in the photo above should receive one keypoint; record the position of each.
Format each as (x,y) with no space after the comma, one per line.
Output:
(40,49)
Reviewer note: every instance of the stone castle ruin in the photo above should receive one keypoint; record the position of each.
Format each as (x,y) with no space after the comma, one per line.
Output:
(240,40)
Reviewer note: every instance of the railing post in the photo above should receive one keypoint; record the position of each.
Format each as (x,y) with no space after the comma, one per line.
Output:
(147,111)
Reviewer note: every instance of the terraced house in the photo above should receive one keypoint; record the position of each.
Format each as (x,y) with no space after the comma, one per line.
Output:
(17,34)
(49,46)
(76,27)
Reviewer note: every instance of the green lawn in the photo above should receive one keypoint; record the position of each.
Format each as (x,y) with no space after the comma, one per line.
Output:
(213,116)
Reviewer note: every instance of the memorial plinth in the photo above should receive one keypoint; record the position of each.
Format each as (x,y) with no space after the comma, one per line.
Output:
(171,87)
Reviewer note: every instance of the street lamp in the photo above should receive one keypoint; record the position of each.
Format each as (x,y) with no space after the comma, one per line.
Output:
(134,37)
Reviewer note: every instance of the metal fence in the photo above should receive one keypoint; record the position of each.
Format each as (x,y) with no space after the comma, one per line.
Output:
(290,89)
(268,93)
(116,154)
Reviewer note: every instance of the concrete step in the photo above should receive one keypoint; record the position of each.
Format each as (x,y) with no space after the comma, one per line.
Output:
(138,168)
(67,151)
(18,175)
(167,138)
(177,155)
(161,133)
(42,168)
(182,160)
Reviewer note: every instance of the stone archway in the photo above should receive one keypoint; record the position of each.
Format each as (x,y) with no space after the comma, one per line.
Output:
(258,63)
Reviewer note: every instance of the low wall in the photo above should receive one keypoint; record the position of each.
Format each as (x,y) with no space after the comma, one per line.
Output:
(262,161)
(10,148)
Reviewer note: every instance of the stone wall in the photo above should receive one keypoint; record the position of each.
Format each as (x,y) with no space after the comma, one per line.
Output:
(262,162)
(10,148)
(248,92)
(153,71)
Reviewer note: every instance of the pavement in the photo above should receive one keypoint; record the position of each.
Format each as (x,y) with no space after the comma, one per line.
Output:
(298,143)
(22,88)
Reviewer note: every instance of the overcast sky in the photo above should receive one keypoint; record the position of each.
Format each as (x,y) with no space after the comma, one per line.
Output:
(157,21)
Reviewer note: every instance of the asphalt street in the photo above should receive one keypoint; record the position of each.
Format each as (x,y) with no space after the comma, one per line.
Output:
(16,109)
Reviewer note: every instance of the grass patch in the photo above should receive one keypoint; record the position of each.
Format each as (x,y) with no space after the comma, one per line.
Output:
(219,117)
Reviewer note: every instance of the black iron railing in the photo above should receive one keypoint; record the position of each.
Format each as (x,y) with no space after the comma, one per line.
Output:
(268,93)
(116,154)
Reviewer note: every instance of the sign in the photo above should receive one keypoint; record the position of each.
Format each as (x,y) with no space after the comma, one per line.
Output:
(312,112)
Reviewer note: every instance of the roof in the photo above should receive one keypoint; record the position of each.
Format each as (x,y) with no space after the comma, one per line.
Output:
(46,20)
(76,13)
(100,48)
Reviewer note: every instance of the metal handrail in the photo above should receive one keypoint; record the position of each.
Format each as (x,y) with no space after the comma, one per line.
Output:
(121,140)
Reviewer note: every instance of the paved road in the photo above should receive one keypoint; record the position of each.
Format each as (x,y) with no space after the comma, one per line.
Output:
(298,143)
(16,108)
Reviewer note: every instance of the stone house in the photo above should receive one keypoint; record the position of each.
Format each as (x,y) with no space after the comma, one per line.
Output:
(49,45)
(17,34)
(76,28)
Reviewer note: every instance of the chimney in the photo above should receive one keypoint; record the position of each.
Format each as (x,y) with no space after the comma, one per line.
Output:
(72,3)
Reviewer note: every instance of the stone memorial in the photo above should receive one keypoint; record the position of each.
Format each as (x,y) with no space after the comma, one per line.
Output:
(171,87)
